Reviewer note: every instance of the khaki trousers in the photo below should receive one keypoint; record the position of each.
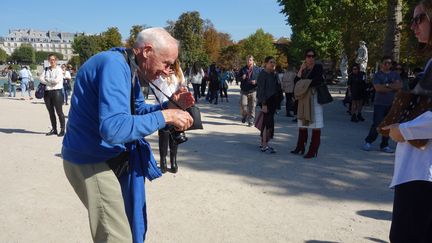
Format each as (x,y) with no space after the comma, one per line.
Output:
(247,105)
(99,190)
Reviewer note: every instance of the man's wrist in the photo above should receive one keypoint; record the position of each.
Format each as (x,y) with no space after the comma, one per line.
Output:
(164,105)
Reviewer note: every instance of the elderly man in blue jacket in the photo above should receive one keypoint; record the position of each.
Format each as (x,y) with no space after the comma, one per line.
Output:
(101,125)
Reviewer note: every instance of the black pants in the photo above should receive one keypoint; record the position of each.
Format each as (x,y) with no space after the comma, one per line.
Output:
(196,89)
(224,92)
(203,87)
(380,111)
(412,213)
(289,103)
(54,101)
(165,140)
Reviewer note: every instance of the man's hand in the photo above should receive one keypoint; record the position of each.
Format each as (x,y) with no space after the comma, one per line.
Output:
(183,97)
(395,133)
(181,120)
(253,82)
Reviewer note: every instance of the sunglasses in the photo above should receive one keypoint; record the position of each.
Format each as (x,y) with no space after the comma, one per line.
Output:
(417,20)
(310,56)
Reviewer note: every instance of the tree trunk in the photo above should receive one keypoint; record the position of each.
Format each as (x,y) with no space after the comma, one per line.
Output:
(393,29)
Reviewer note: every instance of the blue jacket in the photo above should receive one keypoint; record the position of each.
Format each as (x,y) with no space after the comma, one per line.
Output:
(100,121)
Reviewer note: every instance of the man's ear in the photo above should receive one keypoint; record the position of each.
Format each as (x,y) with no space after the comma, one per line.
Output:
(147,50)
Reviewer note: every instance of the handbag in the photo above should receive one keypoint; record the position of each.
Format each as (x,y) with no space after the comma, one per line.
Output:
(259,120)
(324,96)
(195,113)
(40,91)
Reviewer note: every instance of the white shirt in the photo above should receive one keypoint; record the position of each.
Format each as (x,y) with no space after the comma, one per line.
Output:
(25,74)
(412,163)
(168,89)
(67,75)
(53,78)
(196,78)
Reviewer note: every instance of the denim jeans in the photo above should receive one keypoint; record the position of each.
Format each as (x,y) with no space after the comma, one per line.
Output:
(65,93)
(12,89)
(24,86)
(380,111)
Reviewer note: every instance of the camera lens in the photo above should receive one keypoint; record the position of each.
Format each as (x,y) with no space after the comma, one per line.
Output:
(178,137)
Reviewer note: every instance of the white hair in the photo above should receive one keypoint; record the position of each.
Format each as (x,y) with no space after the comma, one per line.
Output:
(157,37)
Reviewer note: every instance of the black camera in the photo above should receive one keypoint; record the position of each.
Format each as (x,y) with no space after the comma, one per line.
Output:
(178,137)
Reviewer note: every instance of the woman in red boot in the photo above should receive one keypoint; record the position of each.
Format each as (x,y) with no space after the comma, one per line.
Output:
(310,112)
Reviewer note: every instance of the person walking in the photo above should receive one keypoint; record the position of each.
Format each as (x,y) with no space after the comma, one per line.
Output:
(214,84)
(25,77)
(312,74)
(412,177)
(196,76)
(386,83)
(67,82)
(248,86)
(101,130)
(52,77)
(224,78)
(168,85)
(268,99)
(287,83)
(12,77)
(357,91)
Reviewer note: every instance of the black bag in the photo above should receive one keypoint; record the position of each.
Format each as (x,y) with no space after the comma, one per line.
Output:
(324,96)
(66,85)
(195,113)
(31,85)
(40,91)
(14,76)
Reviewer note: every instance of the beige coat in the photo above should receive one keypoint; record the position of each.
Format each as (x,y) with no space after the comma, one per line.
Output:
(303,94)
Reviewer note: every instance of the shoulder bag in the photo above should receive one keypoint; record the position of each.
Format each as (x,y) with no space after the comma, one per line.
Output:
(324,96)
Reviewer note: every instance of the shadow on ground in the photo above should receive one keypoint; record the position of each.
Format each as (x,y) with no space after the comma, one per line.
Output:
(18,130)
(376,214)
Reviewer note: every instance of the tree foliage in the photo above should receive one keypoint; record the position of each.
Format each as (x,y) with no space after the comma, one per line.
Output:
(188,29)
(214,42)
(3,56)
(86,46)
(110,38)
(25,54)
(259,45)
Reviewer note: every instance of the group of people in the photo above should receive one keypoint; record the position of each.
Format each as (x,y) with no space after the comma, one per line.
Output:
(23,78)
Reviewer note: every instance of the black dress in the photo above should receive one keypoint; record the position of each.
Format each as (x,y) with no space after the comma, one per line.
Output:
(357,82)
(268,94)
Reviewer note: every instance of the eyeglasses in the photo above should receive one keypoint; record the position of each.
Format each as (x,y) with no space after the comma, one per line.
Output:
(272,62)
(310,56)
(417,20)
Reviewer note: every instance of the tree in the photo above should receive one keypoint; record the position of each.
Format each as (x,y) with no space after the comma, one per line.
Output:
(25,54)
(231,57)
(133,33)
(260,45)
(393,32)
(75,62)
(110,38)
(41,56)
(3,56)
(86,46)
(331,27)
(188,30)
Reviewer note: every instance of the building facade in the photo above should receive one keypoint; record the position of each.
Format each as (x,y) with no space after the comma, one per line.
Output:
(49,41)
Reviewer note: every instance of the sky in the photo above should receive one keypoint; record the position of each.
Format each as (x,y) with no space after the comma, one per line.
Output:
(239,18)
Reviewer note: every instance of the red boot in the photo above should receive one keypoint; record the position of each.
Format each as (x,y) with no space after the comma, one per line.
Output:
(314,145)
(301,141)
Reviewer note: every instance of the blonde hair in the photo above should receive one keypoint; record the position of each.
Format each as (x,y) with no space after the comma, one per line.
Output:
(178,73)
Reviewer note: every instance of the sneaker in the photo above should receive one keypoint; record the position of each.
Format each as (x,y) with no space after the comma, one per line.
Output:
(387,150)
(367,147)
(270,150)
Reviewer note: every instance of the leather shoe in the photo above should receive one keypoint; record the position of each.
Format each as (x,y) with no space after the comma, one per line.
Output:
(61,134)
(52,132)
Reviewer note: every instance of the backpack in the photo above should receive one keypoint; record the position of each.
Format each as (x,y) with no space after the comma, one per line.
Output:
(14,76)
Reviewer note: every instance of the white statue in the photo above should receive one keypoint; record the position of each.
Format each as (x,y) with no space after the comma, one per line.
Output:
(362,56)
(343,66)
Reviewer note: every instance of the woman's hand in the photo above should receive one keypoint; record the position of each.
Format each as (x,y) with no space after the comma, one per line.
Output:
(264,109)
(182,97)
(395,132)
